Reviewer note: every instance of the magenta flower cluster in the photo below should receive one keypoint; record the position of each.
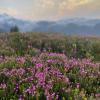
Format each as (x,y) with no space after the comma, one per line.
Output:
(50,76)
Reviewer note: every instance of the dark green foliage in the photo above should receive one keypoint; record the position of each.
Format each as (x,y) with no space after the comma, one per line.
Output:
(14,29)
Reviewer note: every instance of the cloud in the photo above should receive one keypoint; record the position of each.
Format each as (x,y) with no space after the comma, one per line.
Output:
(59,8)
(72,4)
(49,9)
(10,11)
(70,7)
(47,3)
(69,4)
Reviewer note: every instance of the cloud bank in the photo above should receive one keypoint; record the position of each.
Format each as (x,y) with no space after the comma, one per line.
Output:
(50,9)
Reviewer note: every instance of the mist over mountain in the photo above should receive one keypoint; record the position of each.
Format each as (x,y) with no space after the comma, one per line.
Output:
(67,26)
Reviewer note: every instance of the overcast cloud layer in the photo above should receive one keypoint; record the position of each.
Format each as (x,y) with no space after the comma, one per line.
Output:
(50,9)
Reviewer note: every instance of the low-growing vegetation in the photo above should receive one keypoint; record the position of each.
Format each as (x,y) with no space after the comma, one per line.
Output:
(49,67)
(72,46)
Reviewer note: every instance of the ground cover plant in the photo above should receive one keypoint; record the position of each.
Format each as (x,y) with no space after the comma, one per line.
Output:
(47,67)
(71,46)
(49,76)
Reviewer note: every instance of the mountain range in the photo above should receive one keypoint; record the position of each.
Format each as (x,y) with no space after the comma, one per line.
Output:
(80,26)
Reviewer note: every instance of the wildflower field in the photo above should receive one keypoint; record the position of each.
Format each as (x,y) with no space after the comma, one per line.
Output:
(47,67)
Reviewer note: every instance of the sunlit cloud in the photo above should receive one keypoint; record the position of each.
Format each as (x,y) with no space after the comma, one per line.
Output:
(47,3)
(50,9)
(9,11)
(72,4)
(61,7)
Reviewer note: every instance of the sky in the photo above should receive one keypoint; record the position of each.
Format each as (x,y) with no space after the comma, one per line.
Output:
(50,9)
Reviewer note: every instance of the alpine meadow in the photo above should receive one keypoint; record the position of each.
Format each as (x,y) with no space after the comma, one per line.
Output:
(49,50)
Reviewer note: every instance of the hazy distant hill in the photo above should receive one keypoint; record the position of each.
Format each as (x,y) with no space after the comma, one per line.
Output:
(67,26)
(6,22)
